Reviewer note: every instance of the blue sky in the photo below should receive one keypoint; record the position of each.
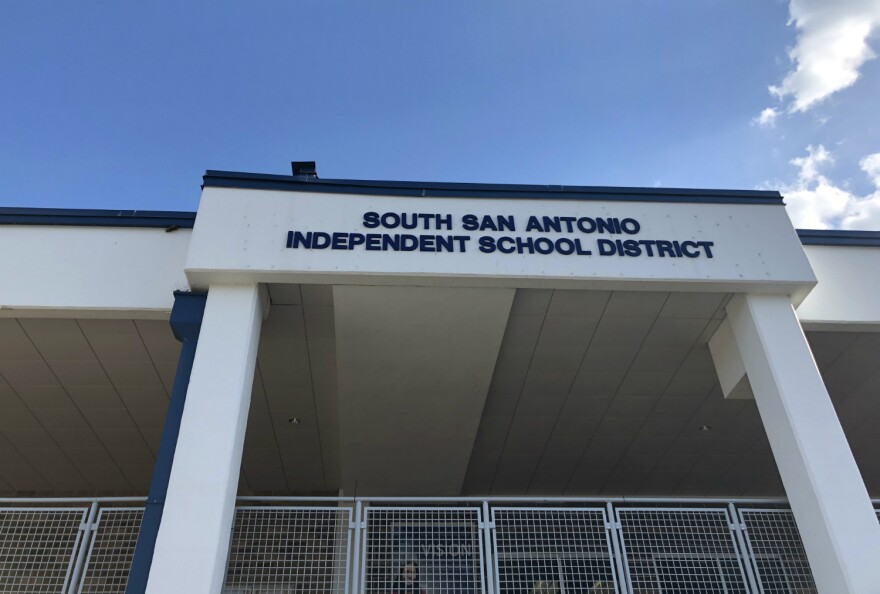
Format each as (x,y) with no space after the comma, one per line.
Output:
(125,105)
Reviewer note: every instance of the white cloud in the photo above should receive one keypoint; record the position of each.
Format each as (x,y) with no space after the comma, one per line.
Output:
(767,118)
(809,165)
(865,213)
(871,166)
(832,44)
(815,202)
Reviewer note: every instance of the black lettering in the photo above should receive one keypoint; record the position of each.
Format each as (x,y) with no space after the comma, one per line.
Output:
(469,222)
(586,225)
(707,246)
(632,248)
(390,220)
(300,239)
(506,223)
(552,224)
(522,245)
(371,220)
(409,243)
(320,240)
(444,243)
(355,239)
(606,247)
(630,226)
(411,224)
(487,244)
(534,224)
(543,246)
(506,241)
(686,246)
(565,246)
(605,226)
(664,248)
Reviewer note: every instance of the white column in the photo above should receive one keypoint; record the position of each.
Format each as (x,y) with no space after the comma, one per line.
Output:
(193,541)
(828,497)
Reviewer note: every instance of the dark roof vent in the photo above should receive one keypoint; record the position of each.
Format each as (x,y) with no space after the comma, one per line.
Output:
(307,169)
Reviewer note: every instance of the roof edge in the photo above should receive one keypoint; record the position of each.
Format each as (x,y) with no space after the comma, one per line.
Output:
(839,237)
(74,217)
(289,183)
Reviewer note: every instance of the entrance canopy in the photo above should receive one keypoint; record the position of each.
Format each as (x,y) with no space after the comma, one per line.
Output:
(419,341)
(401,339)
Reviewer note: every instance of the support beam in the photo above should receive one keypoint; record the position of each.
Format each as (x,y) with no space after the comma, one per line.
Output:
(840,532)
(729,364)
(193,542)
(414,365)
(186,322)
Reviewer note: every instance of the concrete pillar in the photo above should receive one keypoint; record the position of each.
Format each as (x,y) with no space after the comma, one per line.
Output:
(193,542)
(827,495)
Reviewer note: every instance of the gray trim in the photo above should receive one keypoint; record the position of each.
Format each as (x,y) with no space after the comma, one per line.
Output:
(75,217)
(839,238)
(301,183)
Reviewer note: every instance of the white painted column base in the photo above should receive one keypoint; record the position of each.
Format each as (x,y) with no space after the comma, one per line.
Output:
(831,506)
(193,541)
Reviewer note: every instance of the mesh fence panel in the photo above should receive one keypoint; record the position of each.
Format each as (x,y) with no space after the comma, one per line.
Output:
(423,551)
(552,551)
(680,551)
(289,549)
(438,550)
(111,550)
(777,552)
(38,548)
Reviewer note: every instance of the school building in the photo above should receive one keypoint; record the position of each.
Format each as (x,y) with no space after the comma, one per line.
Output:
(330,386)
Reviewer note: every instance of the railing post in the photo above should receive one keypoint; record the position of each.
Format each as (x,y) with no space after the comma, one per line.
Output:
(87,529)
(356,559)
(745,553)
(342,557)
(613,527)
(488,556)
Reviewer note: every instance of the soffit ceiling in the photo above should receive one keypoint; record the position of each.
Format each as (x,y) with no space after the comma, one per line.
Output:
(593,393)
(82,402)
(601,393)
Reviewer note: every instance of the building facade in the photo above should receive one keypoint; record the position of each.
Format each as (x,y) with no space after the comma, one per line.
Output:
(317,385)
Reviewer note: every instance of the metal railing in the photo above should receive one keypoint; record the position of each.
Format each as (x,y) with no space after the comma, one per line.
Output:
(775,551)
(110,550)
(430,546)
(276,547)
(688,549)
(38,547)
(566,549)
